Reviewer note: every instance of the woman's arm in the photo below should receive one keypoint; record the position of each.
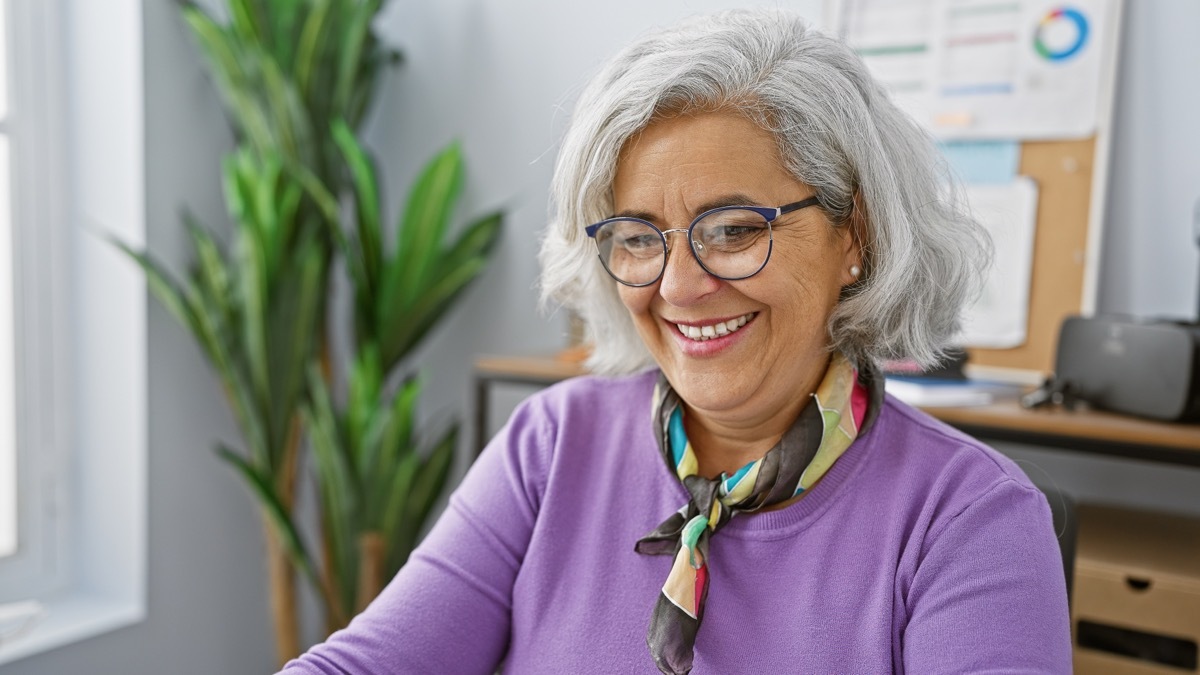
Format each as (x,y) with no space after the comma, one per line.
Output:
(448,609)
(989,595)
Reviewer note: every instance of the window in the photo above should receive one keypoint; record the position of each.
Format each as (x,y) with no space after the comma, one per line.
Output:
(8,450)
(29,312)
(72,322)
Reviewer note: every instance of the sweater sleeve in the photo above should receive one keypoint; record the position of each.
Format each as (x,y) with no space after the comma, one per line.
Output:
(448,609)
(989,594)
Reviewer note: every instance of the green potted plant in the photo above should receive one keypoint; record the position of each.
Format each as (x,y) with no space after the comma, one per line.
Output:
(296,77)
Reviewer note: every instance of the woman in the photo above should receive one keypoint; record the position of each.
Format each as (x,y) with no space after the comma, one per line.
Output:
(768,225)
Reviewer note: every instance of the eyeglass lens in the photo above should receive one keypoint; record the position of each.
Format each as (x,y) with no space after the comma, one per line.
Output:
(730,244)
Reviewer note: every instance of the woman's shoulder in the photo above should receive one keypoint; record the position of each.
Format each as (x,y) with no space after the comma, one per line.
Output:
(586,410)
(925,456)
(596,394)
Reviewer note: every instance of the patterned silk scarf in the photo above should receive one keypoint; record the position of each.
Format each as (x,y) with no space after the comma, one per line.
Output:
(843,406)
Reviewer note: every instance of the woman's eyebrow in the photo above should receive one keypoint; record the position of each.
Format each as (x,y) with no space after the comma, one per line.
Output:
(640,215)
(734,199)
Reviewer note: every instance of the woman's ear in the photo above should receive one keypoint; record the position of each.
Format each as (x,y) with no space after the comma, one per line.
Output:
(854,258)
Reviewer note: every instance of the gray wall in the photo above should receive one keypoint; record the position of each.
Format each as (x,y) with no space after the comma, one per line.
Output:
(1150,253)
(500,76)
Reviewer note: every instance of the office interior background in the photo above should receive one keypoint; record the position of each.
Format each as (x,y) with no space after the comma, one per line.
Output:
(501,75)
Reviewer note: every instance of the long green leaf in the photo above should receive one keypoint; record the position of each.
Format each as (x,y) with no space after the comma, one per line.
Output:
(247,24)
(213,40)
(295,316)
(161,286)
(427,487)
(370,237)
(402,331)
(425,219)
(230,368)
(350,58)
(282,16)
(278,516)
(261,176)
(366,381)
(402,327)
(397,436)
(288,114)
(211,270)
(234,189)
(476,241)
(252,295)
(229,66)
(290,198)
(454,270)
(338,487)
(391,445)
(323,198)
(400,483)
(309,47)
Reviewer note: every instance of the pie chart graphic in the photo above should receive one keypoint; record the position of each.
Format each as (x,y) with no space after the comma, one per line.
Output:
(1061,34)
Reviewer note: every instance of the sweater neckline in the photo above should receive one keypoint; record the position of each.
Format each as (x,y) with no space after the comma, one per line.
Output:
(796,517)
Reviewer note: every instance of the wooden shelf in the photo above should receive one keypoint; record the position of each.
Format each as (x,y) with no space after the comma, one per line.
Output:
(530,368)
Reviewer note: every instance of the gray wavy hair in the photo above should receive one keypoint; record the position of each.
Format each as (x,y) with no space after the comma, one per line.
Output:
(872,168)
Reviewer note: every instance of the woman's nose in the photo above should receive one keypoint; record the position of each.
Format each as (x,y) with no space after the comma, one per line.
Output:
(684,281)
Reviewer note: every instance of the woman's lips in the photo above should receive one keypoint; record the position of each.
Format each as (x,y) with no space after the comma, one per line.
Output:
(713,328)
(710,336)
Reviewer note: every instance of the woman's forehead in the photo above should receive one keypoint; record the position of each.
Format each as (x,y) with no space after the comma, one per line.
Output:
(699,161)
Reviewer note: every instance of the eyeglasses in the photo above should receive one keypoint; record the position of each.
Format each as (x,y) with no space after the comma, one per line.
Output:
(730,242)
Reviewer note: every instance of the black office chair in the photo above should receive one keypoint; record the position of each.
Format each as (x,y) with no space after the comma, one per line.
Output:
(1066,526)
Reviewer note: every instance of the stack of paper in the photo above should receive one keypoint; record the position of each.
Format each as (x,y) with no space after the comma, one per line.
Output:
(934,393)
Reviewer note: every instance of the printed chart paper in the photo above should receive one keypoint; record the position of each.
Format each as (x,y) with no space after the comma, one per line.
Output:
(1019,69)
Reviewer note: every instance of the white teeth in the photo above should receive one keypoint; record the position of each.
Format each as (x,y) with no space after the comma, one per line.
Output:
(702,333)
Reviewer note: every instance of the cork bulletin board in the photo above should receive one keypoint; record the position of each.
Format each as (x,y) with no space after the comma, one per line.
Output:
(1064,172)
(938,60)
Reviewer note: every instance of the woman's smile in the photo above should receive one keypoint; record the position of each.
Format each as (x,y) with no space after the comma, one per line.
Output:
(709,337)
(713,329)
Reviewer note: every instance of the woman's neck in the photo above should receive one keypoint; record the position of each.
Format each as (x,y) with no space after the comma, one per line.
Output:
(724,444)
(726,440)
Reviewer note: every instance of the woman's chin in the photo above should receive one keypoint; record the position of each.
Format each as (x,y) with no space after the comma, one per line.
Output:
(713,389)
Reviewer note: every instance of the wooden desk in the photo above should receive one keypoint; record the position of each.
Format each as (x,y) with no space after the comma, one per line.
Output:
(1083,430)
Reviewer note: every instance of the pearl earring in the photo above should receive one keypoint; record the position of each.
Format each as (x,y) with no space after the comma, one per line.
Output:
(855,271)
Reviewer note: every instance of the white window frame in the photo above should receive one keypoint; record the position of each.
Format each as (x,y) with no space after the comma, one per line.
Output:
(81,316)
(35,170)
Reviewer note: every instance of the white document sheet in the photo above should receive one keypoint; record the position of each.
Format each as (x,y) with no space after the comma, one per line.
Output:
(1000,317)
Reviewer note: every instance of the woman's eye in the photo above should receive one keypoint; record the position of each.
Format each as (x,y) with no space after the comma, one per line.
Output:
(733,234)
(641,242)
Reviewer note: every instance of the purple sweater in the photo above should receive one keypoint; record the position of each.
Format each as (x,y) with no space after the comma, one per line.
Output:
(920,551)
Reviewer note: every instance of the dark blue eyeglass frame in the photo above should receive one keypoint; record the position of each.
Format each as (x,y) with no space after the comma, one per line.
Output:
(770,214)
